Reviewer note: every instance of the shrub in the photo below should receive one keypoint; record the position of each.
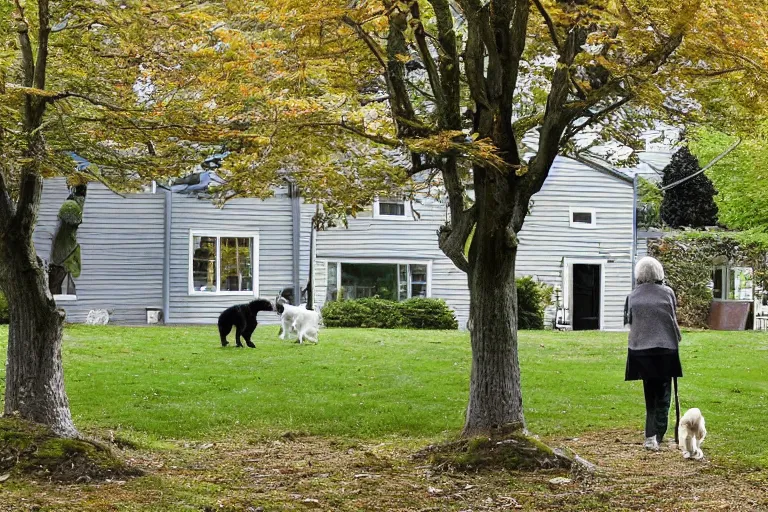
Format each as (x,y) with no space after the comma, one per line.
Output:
(347,313)
(389,314)
(428,314)
(532,298)
(385,314)
(4,316)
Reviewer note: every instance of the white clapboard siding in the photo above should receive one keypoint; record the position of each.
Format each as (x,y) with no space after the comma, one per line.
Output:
(121,240)
(545,240)
(270,219)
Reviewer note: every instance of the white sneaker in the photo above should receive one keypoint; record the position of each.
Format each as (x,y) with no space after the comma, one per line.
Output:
(651,444)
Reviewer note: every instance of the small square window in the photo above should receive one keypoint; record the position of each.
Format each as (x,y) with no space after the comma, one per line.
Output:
(391,208)
(582,217)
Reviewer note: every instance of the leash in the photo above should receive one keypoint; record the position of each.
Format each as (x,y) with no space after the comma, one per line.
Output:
(677,411)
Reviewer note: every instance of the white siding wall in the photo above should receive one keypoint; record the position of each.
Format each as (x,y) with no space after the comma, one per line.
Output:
(545,240)
(547,237)
(271,219)
(121,242)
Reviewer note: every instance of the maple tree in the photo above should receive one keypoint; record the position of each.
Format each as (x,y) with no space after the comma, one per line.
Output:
(67,77)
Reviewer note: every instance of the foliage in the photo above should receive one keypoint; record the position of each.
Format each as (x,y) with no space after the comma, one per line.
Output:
(688,261)
(417,313)
(741,178)
(532,298)
(649,204)
(4,314)
(690,204)
(423,313)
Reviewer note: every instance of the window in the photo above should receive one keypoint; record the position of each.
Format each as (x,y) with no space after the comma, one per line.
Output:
(223,263)
(582,217)
(732,283)
(391,281)
(391,208)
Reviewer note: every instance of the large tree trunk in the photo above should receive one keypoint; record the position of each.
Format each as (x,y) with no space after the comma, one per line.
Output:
(495,397)
(34,378)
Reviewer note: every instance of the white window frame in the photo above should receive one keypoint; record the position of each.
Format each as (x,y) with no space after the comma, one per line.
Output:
(348,261)
(407,212)
(582,225)
(254,235)
(726,291)
(568,264)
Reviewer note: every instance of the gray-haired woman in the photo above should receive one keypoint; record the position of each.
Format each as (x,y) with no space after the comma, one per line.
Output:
(654,338)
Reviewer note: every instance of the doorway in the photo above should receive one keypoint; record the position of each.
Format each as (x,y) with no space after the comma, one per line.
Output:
(586,297)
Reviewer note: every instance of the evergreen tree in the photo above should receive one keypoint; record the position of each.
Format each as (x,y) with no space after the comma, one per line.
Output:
(692,203)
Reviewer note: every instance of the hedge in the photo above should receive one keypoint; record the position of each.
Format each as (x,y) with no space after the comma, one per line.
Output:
(388,314)
(420,313)
(688,262)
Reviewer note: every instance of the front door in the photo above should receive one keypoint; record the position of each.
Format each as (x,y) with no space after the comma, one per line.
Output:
(585,312)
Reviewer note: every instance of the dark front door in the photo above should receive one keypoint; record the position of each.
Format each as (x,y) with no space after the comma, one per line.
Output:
(586,297)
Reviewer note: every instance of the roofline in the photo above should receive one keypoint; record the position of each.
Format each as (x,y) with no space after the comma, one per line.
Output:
(601,167)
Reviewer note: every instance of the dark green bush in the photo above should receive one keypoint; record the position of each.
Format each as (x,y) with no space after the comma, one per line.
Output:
(347,313)
(4,317)
(427,314)
(388,314)
(532,298)
(385,314)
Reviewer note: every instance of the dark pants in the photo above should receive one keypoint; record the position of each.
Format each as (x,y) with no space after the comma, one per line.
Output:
(658,394)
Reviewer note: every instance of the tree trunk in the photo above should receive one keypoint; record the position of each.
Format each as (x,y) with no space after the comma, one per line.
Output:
(495,397)
(34,378)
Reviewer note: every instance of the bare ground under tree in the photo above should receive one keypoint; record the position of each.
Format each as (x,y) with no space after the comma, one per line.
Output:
(298,472)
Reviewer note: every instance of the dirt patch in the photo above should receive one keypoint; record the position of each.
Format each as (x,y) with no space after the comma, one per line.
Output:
(32,450)
(300,472)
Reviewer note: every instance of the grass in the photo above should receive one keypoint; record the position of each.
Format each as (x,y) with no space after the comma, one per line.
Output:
(334,426)
(178,383)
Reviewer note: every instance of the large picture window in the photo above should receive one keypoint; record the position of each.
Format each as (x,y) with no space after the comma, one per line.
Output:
(392,281)
(223,263)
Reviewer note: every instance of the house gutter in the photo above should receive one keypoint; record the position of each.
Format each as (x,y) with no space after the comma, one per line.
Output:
(634,228)
(167,257)
(296,253)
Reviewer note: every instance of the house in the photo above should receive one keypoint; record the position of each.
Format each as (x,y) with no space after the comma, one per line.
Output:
(182,255)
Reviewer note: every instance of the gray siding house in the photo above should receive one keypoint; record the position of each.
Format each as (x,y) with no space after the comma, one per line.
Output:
(190,259)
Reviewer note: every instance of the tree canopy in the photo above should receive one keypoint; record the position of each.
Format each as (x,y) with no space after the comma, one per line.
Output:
(741,178)
(691,203)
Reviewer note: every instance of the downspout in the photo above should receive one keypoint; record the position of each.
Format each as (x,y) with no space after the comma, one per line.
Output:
(168,211)
(296,219)
(634,228)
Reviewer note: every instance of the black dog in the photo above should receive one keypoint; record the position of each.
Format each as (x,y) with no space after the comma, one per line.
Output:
(243,318)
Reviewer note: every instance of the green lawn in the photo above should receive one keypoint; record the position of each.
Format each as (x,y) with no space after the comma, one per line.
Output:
(178,382)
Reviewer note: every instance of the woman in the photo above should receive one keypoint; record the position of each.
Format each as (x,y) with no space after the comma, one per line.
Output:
(654,338)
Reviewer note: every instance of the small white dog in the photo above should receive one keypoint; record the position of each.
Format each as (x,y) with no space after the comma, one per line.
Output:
(304,322)
(691,434)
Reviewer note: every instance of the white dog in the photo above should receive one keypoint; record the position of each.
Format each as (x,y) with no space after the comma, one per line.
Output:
(691,434)
(299,319)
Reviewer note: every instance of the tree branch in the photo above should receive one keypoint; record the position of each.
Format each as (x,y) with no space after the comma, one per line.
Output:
(596,116)
(550,25)
(30,191)
(44,32)
(367,39)
(25,47)
(7,209)
(352,129)
(452,238)
(429,63)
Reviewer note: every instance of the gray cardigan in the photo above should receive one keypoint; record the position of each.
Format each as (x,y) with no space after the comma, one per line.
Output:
(650,313)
